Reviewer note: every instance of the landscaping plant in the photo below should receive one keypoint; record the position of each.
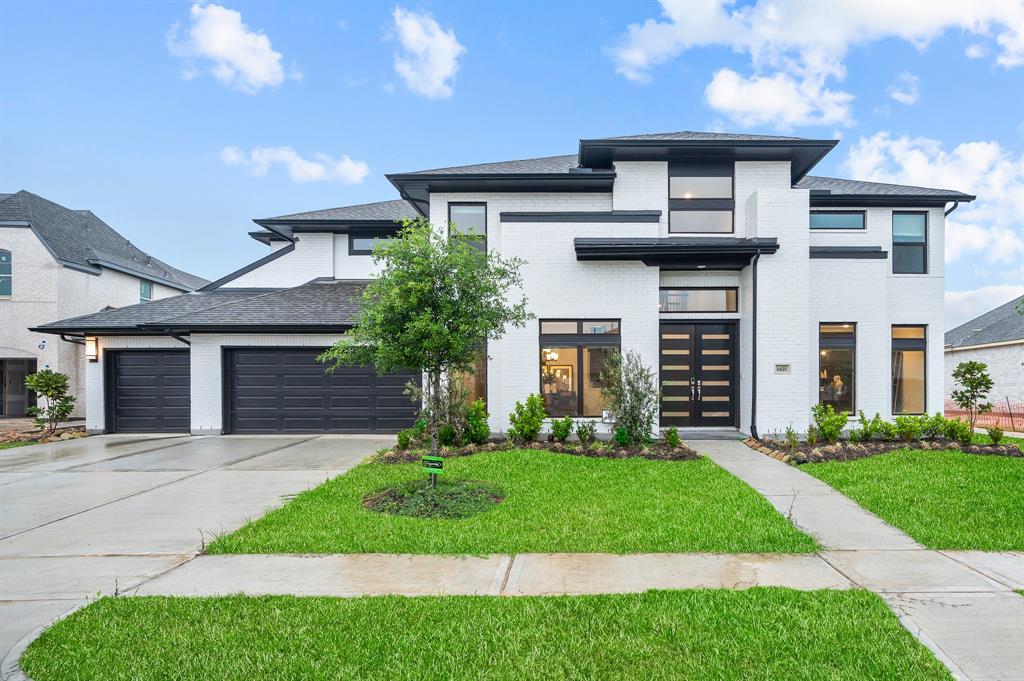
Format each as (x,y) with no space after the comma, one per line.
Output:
(561,428)
(477,429)
(995,433)
(934,426)
(959,430)
(672,436)
(527,419)
(586,432)
(630,389)
(622,436)
(828,425)
(791,438)
(53,387)
(909,428)
(972,387)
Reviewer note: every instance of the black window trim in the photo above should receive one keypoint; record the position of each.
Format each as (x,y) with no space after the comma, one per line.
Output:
(924,245)
(908,344)
(842,211)
(705,169)
(9,277)
(468,203)
(840,342)
(578,340)
(142,283)
(376,234)
(702,288)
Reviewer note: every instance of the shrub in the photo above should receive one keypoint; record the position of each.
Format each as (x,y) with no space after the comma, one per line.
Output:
(958,430)
(854,436)
(909,428)
(586,431)
(53,387)
(527,419)
(406,438)
(672,437)
(887,430)
(812,435)
(447,436)
(792,441)
(622,436)
(561,428)
(972,385)
(477,430)
(827,423)
(995,434)
(934,426)
(630,389)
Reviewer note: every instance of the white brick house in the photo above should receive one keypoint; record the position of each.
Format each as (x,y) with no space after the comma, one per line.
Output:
(754,289)
(55,263)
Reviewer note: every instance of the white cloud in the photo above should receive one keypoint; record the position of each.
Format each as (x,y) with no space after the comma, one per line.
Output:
(317,168)
(963,306)
(430,55)
(778,99)
(238,57)
(800,46)
(976,51)
(904,90)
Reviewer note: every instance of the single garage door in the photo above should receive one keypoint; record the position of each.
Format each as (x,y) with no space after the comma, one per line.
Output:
(285,390)
(148,391)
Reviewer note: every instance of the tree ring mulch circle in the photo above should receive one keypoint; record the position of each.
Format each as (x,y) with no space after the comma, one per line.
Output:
(450,499)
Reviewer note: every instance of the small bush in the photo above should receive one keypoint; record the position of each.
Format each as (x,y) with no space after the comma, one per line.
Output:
(561,428)
(477,429)
(586,432)
(827,423)
(995,434)
(934,426)
(854,436)
(447,436)
(909,428)
(672,436)
(792,441)
(406,438)
(630,389)
(53,387)
(527,419)
(812,435)
(887,430)
(622,436)
(959,430)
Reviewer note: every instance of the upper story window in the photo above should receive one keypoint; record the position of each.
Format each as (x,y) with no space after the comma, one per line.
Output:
(469,218)
(909,242)
(363,244)
(682,299)
(700,198)
(834,219)
(5,273)
(145,291)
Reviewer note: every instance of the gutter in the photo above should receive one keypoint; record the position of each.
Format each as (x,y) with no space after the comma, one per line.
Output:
(753,346)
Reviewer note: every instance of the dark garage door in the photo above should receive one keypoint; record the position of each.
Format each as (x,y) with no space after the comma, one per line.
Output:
(148,391)
(285,390)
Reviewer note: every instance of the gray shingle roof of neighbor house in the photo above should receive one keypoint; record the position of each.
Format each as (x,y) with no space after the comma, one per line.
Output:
(547,165)
(79,239)
(839,186)
(1000,325)
(388,211)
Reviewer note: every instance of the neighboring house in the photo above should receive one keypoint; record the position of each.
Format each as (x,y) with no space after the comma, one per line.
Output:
(54,263)
(997,339)
(754,289)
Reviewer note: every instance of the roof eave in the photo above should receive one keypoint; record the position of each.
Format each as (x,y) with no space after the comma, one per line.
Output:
(819,199)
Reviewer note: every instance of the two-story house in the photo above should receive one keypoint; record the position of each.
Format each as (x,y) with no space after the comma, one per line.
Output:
(55,263)
(753,288)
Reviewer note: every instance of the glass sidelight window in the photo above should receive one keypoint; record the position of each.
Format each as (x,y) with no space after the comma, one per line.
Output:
(5,273)
(572,355)
(909,344)
(837,364)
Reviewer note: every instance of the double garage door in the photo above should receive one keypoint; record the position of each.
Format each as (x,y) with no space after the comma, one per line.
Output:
(265,390)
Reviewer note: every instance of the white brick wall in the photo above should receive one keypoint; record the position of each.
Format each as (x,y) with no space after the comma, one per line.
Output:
(1005,366)
(313,257)
(351,266)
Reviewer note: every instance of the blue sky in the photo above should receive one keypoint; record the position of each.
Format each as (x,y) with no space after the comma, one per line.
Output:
(179,123)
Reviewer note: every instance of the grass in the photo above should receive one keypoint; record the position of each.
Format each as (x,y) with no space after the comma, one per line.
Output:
(553,503)
(763,633)
(444,499)
(16,443)
(984,439)
(943,499)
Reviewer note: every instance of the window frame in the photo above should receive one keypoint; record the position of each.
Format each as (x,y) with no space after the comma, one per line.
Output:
(469,203)
(840,342)
(908,344)
(142,286)
(924,245)
(735,289)
(9,276)
(579,341)
(862,213)
(352,250)
(690,169)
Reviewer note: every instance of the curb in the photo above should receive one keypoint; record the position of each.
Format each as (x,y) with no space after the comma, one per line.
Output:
(10,670)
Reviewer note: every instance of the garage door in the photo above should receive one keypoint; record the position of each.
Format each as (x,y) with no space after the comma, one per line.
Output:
(285,390)
(148,391)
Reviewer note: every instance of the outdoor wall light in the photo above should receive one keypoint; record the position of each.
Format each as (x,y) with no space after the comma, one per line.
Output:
(91,350)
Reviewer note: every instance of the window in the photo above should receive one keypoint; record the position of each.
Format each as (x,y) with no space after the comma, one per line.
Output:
(363,244)
(673,299)
(572,355)
(475,383)
(145,291)
(837,352)
(831,219)
(5,273)
(700,198)
(909,243)
(908,369)
(469,218)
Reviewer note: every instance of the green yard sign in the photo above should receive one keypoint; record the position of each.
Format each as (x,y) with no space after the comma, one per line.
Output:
(433,465)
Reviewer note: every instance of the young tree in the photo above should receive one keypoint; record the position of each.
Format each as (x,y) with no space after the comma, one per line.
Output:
(53,387)
(972,385)
(433,307)
(630,389)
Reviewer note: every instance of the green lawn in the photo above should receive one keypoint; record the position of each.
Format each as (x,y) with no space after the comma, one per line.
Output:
(984,439)
(756,634)
(18,443)
(553,503)
(943,499)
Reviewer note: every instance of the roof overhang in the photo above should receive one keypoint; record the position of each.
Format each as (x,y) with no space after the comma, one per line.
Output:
(802,154)
(676,253)
(822,198)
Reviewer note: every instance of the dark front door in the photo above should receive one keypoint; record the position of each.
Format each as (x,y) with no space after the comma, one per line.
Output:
(698,374)
(148,391)
(15,398)
(286,390)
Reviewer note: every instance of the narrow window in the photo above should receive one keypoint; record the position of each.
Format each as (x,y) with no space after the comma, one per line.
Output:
(6,274)
(700,198)
(145,291)
(475,382)
(469,218)
(363,244)
(837,353)
(832,219)
(909,243)
(572,356)
(908,369)
(681,299)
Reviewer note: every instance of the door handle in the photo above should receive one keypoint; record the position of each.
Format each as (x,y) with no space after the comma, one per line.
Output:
(698,390)
(693,389)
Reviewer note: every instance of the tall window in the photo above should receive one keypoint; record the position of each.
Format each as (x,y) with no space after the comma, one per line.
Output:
(908,369)
(834,219)
(700,198)
(469,218)
(475,383)
(682,299)
(837,355)
(909,243)
(145,291)
(572,355)
(5,273)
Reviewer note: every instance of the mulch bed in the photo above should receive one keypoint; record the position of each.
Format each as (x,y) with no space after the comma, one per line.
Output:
(448,499)
(601,450)
(847,451)
(67,433)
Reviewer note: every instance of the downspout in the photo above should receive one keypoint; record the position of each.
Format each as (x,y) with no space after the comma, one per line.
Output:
(954,207)
(753,346)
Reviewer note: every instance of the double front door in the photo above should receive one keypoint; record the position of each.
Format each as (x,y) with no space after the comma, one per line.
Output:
(698,374)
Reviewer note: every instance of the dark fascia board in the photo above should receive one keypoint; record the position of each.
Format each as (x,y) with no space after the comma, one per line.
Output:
(614,216)
(710,253)
(135,330)
(417,187)
(826,200)
(252,328)
(803,154)
(265,237)
(324,225)
(250,267)
(849,252)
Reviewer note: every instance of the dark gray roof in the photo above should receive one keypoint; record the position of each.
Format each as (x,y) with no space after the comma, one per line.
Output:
(697,136)
(837,185)
(79,238)
(545,165)
(1002,324)
(397,209)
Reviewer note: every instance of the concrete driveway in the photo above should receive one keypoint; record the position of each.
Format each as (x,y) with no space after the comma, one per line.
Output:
(107,513)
